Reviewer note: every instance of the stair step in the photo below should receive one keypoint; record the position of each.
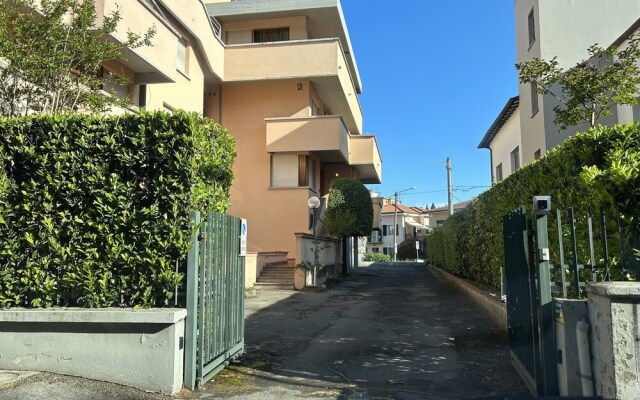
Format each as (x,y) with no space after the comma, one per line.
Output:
(273,286)
(276,264)
(276,281)
(276,275)
(277,268)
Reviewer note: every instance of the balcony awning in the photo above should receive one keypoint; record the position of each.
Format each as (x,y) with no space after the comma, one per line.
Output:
(417,225)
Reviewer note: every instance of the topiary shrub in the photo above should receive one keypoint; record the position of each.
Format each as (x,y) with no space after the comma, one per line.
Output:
(94,211)
(349,197)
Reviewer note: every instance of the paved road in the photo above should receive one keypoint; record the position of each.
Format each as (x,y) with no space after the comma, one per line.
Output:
(386,332)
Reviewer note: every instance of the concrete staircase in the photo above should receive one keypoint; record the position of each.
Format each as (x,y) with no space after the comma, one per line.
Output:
(276,275)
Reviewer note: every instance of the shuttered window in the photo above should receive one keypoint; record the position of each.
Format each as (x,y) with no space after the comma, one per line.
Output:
(114,85)
(292,170)
(284,170)
(238,37)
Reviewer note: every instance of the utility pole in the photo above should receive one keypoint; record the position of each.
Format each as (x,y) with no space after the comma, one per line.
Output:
(449,186)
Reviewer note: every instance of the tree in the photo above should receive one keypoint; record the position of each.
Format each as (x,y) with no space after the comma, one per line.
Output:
(588,90)
(433,206)
(52,52)
(407,249)
(349,211)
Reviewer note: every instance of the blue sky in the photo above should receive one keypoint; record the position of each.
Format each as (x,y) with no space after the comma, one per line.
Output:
(435,76)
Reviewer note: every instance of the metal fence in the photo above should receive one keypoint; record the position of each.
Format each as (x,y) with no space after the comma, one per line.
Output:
(592,247)
(214,298)
(584,249)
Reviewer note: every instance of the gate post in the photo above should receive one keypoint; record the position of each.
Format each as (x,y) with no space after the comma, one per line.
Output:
(547,384)
(191,326)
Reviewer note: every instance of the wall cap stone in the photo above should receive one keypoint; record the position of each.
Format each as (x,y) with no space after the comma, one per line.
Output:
(615,289)
(97,315)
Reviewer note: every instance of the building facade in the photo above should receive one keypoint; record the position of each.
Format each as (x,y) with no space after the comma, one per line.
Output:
(281,76)
(545,29)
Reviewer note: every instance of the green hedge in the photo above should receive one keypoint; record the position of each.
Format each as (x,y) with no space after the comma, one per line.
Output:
(376,257)
(94,211)
(600,166)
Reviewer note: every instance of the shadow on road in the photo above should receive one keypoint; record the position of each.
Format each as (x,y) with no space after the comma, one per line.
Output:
(387,331)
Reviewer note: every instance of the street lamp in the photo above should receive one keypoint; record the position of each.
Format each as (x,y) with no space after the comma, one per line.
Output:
(395,222)
(314,204)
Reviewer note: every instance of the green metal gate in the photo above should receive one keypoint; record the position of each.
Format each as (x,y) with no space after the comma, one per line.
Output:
(529,303)
(215,298)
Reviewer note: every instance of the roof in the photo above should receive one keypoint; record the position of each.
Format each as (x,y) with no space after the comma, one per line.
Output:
(627,34)
(390,209)
(462,204)
(417,225)
(508,110)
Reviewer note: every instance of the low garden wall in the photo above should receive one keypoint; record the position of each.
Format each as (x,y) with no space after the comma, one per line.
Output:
(492,306)
(139,348)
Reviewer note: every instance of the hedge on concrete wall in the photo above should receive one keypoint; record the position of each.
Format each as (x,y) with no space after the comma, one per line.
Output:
(94,211)
(600,166)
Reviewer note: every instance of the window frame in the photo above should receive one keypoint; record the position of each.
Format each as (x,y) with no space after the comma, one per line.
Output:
(515,159)
(531,27)
(535,107)
(283,31)
(499,173)
(182,52)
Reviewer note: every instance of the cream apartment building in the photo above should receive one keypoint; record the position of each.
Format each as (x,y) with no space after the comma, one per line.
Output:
(545,29)
(281,76)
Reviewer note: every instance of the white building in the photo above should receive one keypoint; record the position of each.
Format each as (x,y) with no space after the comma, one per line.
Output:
(525,129)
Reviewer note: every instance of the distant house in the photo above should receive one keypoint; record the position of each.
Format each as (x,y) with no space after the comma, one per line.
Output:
(503,141)
(437,216)
(409,221)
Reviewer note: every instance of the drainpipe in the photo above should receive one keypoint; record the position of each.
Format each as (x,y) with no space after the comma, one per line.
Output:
(584,357)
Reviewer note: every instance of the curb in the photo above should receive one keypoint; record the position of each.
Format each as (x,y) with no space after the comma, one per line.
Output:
(494,308)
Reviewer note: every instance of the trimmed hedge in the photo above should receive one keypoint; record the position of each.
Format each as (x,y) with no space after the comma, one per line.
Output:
(600,166)
(376,257)
(350,196)
(94,211)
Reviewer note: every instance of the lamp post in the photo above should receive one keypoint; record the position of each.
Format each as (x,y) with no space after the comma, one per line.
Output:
(314,204)
(395,222)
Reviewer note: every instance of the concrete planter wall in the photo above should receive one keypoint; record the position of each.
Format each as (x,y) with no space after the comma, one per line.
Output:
(138,348)
(614,310)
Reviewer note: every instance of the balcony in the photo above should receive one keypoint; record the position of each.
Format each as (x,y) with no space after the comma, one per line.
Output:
(329,138)
(325,135)
(364,156)
(320,61)
(151,64)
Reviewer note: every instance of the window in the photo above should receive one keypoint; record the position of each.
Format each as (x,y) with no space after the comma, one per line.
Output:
(515,159)
(115,85)
(292,170)
(387,230)
(532,28)
(499,172)
(440,222)
(534,98)
(537,154)
(182,60)
(270,35)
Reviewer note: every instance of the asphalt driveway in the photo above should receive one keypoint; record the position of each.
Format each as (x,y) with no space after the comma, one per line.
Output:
(389,331)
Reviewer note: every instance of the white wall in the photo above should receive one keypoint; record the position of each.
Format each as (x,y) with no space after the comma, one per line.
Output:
(564,29)
(504,143)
